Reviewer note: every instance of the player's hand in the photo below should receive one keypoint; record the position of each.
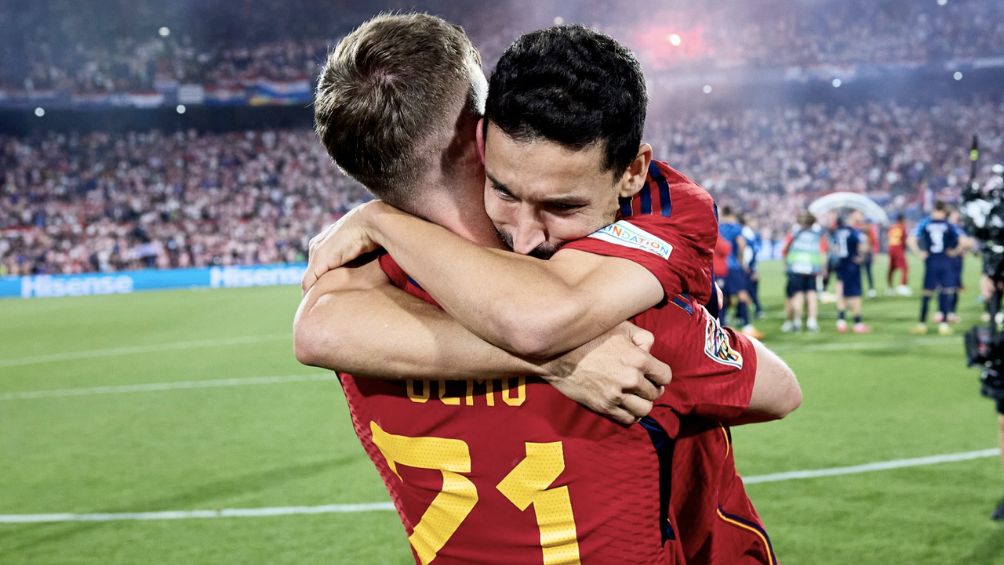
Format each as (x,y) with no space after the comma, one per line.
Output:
(341,242)
(613,375)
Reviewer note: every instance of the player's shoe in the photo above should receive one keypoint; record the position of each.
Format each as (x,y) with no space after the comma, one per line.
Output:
(749,330)
(939,317)
(953,318)
(919,329)
(999,512)
(872,293)
(945,329)
(904,290)
(787,327)
(862,328)
(842,326)
(812,326)
(999,318)
(985,317)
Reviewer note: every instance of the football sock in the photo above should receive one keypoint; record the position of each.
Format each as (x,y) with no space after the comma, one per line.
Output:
(841,315)
(943,303)
(857,318)
(742,312)
(924,302)
(953,302)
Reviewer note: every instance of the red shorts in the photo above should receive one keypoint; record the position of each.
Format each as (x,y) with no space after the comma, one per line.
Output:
(715,519)
(897,259)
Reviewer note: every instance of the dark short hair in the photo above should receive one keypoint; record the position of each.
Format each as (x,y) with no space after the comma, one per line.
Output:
(572,86)
(384,89)
(940,205)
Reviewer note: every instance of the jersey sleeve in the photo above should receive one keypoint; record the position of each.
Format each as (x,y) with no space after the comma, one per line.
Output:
(678,249)
(400,279)
(714,368)
(393,271)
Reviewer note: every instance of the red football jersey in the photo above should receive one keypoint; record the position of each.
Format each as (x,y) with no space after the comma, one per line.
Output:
(897,237)
(723,249)
(716,521)
(670,227)
(465,461)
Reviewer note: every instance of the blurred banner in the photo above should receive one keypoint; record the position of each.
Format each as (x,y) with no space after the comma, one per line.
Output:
(51,286)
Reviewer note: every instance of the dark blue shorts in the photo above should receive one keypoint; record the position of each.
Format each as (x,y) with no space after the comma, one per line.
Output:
(849,275)
(800,283)
(957,274)
(735,282)
(940,274)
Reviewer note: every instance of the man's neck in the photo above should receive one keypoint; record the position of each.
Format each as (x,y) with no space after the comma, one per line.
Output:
(459,206)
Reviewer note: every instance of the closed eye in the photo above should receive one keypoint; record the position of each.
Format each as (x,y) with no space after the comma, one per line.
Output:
(504,194)
(561,208)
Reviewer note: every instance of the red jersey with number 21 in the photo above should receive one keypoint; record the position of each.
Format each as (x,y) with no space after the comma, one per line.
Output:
(511,471)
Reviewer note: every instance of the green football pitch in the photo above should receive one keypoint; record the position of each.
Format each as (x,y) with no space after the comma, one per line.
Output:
(176,427)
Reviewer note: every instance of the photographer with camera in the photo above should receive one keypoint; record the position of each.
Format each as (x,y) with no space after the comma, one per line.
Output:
(982,212)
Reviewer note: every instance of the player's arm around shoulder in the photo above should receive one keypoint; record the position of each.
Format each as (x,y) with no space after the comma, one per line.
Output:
(317,329)
(591,294)
(355,320)
(718,373)
(776,392)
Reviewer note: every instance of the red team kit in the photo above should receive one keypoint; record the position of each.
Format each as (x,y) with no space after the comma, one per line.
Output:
(511,471)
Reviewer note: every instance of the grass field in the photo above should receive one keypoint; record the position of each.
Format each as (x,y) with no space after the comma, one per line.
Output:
(192,400)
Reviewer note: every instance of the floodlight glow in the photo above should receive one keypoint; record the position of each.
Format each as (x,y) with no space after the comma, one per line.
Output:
(837,82)
(558,20)
(164,31)
(40,111)
(180,108)
(707,89)
(674,39)
(957,75)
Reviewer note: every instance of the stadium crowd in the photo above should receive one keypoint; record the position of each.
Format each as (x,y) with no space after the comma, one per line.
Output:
(772,163)
(287,44)
(101,202)
(107,202)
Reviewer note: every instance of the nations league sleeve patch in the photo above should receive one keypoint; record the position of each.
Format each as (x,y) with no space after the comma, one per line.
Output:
(717,347)
(628,235)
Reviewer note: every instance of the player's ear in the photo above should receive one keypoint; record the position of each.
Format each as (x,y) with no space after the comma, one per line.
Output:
(479,140)
(634,177)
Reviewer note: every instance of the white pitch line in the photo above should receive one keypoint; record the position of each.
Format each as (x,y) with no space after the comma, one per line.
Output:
(871,467)
(134,350)
(176,385)
(196,514)
(387,506)
(837,345)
